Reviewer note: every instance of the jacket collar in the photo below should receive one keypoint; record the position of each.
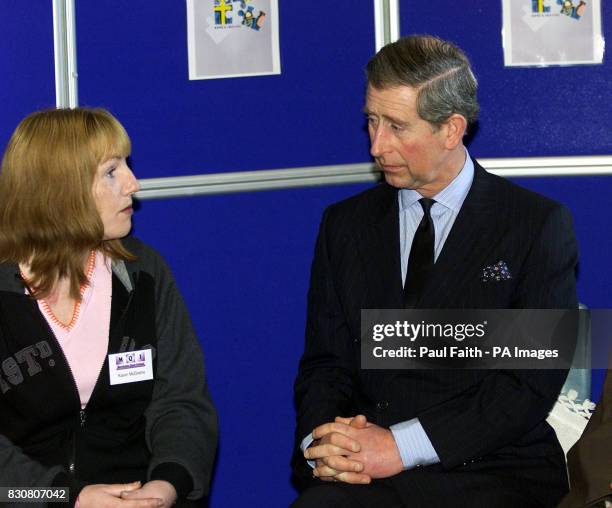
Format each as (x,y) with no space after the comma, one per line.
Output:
(10,278)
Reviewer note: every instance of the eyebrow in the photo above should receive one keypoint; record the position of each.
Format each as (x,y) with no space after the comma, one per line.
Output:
(105,164)
(396,121)
(112,158)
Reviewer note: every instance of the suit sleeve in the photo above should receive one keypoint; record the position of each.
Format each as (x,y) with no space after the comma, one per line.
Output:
(507,405)
(324,383)
(181,428)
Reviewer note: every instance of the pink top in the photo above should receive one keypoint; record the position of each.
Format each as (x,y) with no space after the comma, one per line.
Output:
(85,339)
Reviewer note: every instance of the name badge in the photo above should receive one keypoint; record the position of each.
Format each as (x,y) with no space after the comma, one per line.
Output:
(130,367)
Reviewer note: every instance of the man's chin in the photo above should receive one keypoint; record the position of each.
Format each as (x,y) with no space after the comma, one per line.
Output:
(399,181)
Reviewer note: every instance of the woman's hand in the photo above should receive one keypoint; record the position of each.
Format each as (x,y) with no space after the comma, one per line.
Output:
(110,496)
(158,489)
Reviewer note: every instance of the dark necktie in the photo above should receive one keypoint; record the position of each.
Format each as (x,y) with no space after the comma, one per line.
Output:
(421,258)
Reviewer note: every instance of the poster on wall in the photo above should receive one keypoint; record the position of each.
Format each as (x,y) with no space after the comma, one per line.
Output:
(552,32)
(232,38)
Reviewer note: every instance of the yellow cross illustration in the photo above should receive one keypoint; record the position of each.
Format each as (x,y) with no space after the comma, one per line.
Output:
(223,8)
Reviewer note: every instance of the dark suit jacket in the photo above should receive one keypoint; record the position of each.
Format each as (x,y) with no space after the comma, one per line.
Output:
(492,422)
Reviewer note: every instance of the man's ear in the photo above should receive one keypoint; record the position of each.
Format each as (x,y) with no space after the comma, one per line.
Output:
(454,130)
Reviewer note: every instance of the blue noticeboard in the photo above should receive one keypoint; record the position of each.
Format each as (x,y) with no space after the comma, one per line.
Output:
(133,60)
(26,60)
(526,112)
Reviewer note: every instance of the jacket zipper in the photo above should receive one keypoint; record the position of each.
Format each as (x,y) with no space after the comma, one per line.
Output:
(82,411)
(82,414)
(72,465)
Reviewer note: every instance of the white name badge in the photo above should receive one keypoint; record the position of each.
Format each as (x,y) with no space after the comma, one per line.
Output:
(130,367)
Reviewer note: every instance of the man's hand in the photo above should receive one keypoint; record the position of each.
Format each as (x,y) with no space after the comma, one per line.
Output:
(158,489)
(329,451)
(377,452)
(109,496)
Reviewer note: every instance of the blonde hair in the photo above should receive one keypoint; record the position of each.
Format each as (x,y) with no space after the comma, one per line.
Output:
(48,216)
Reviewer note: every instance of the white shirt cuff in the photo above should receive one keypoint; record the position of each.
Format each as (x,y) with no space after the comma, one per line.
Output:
(306,442)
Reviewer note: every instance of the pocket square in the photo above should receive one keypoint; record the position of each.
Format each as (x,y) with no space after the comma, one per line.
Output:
(497,272)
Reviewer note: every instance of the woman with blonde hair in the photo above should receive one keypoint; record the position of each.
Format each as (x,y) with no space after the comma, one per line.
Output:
(102,385)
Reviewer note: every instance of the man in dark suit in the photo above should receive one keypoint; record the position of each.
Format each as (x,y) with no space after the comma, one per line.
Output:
(440,232)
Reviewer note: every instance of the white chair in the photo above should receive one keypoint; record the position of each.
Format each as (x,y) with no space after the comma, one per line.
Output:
(573,408)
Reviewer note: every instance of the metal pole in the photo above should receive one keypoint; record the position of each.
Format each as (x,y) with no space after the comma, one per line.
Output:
(71,55)
(385,17)
(386,22)
(59,52)
(64,46)
(394,21)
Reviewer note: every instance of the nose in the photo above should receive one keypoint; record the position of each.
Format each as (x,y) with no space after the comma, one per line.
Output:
(378,141)
(132,186)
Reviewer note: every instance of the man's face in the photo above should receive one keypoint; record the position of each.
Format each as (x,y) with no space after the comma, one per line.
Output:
(408,150)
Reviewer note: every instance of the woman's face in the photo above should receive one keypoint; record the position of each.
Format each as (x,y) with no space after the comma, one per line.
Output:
(113,187)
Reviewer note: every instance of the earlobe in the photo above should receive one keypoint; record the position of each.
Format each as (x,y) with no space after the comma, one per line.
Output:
(456,126)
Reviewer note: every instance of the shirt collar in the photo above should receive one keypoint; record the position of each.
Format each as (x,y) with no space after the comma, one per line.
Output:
(452,196)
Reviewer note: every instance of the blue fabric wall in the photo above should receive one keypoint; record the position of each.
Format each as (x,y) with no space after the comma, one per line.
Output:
(26,62)
(243,264)
(133,60)
(525,111)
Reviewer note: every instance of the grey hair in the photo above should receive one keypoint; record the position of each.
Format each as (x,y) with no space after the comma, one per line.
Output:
(438,70)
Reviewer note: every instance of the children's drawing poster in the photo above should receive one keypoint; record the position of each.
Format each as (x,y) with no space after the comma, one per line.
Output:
(552,32)
(232,38)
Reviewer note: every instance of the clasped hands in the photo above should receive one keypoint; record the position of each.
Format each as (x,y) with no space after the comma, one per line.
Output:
(153,494)
(353,450)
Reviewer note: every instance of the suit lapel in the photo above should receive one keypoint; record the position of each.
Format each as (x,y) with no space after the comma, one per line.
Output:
(476,231)
(380,250)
